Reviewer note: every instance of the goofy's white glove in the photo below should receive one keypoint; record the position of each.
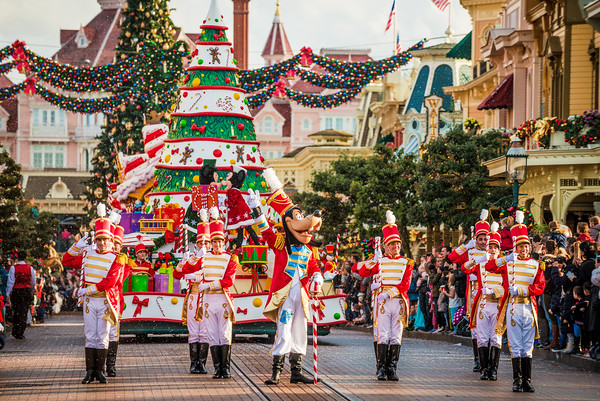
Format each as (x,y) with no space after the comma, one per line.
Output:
(253,199)
(316,283)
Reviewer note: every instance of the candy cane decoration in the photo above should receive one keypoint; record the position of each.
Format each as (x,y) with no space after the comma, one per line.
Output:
(337,247)
(185,238)
(472,232)
(315,318)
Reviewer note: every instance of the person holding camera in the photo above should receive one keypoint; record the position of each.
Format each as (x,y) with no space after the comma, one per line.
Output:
(518,316)
(474,249)
(395,272)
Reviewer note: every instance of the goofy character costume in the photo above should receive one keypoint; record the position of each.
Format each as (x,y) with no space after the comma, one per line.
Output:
(395,273)
(518,313)
(492,292)
(295,266)
(189,268)
(100,271)
(469,252)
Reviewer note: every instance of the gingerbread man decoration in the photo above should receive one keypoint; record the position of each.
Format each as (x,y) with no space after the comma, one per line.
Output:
(187,153)
(214,52)
(239,149)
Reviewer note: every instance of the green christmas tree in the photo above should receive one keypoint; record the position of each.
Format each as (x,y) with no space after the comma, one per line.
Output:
(210,125)
(147,37)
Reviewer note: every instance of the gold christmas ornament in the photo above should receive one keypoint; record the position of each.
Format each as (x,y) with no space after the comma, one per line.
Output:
(130,142)
(127,34)
(123,108)
(98,192)
(128,125)
(147,14)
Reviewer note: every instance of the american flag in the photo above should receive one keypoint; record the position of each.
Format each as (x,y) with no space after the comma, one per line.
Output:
(441,4)
(392,17)
(398,45)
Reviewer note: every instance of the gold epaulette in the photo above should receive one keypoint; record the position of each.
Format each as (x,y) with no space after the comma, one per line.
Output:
(542,265)
(122,259)
(235,258)
(410,262)
(280,242)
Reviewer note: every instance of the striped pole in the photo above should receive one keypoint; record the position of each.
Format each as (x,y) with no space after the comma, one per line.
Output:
(315,318)
(185,238)
(337,247)
(472,232)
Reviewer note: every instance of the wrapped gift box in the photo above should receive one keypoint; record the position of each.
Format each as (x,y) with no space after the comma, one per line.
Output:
(126,222)
(254,254)
(169,212)
(139,283)
(166,283)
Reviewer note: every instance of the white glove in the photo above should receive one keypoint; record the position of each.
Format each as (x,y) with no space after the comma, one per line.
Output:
(375,285)
(472,277)
(376,256)
(470,244)
(253,199)
(203,286)
(382,297)
(82,242)
(487,291)
(510,258)
(514,290)
(191,276)
(185,257)
(81,292)
(200,252)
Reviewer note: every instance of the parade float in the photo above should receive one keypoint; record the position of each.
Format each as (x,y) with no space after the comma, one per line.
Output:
(206,156)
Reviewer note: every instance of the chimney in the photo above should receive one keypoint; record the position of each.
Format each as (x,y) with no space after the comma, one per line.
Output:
(240,32)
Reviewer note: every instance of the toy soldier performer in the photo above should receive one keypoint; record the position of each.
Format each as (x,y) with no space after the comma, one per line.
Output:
(218,274)
(295,265)
(189,267)
(141,265)
(518,315)
(493,291)
(395,272)
(100,272)
(474,249)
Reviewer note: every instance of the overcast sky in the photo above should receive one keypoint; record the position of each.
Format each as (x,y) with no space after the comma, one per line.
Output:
(314,23)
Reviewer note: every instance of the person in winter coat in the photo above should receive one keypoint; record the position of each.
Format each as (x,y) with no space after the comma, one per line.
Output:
(505,238)
(595,228)
(557,234)
(583,232)
(594,315)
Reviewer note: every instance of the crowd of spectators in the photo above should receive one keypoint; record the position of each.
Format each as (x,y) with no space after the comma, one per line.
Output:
(569,310)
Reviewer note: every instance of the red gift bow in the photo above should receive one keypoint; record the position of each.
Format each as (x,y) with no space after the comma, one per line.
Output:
(279,90)
(136,301)
(19,52)
(244,311)
(30,88)
(169,236)
(319,308)
(306,54)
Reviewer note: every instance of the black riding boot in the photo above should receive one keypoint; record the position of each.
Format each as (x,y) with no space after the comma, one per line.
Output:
(493,363)
(296,368)
(99,365)
(484,362)
(111,359)
(376,359)
(89,366)
(202,357)
(526,369)
(278,361)
(194,351)
(225,361)
(215,353)
(476,366)
(382,352)
(392,362)
(517,384)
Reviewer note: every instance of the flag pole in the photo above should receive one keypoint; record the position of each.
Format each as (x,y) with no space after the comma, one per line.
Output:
(395,34)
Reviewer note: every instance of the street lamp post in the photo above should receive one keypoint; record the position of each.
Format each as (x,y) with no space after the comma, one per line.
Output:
(516,167)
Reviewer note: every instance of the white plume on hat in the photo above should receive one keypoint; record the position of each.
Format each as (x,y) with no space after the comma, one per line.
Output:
(114,217)
(494,227)
(214,213)
(484,214)
(519,217)
(272,179)
(389,216)
(101,210)
(203,215)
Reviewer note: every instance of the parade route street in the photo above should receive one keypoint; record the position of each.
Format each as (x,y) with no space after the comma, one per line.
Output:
(49,365)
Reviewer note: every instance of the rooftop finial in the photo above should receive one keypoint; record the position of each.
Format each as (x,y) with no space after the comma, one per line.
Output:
(277,10)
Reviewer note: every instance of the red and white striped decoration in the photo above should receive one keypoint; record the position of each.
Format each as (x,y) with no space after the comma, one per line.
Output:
(472,232)
(315,319)
(337,248)
(185,238)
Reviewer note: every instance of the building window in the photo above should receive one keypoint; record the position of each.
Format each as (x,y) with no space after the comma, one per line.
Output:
(48,122)
(339,123)
(275,128)
(260,128)
(328,123)
(268,125)
(48,156)
(2,124)
(306,125)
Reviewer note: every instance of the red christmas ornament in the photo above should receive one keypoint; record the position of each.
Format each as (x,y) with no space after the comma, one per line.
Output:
(186,198)
(217,153)
(241,126)
(227,80)
(155,184)
(199,160)
(184,94)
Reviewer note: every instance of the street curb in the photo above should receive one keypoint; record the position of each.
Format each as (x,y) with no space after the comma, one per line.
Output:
(575,361)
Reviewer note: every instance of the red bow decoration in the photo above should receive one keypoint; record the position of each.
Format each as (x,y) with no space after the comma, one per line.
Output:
(194,53)
(139,303)
(248,157)
(319,308)
(30,87)
(199,129)
(306,56)
(167,256)
(279,89)
(220,35)
(290,74)
(169,236)
(244,311)
(19,50)
(23,67)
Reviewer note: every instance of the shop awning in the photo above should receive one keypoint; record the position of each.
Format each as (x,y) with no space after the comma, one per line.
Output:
(501,97)
(462,50)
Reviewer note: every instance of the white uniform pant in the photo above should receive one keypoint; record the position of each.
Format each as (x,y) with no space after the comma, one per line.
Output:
(198,333)
(216,318)
(291,325)
(473,293)
(96,328)
(487,317)
(520,327)
(113,332)
(389,321)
